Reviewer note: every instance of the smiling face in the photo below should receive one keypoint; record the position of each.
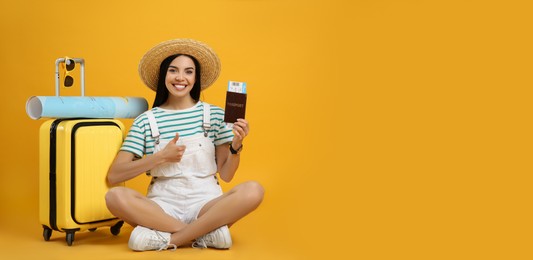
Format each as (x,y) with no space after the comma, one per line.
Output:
(180,79)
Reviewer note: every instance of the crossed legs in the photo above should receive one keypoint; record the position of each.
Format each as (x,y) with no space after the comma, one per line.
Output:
(135,209)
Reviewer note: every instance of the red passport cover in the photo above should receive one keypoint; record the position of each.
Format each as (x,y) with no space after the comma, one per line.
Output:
(235,106)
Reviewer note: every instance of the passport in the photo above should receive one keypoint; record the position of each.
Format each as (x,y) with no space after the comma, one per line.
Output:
(235,102)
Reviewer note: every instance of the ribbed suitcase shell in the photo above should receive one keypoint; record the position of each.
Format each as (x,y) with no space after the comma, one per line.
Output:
(75,155)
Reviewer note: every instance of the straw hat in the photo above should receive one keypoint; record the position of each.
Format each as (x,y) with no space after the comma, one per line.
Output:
(208,59)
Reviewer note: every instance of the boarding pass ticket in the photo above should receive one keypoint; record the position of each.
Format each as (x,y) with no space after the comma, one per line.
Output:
(237,87)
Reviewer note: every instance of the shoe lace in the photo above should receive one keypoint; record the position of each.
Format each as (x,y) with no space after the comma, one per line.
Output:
(202,242)
(199,243)
(166,244)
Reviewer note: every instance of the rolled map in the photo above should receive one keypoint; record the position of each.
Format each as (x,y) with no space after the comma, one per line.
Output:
(85,107)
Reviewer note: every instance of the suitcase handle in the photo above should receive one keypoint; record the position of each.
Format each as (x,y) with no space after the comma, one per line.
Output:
(82,73)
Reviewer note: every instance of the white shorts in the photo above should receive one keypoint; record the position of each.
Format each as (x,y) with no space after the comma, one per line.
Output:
(183,198)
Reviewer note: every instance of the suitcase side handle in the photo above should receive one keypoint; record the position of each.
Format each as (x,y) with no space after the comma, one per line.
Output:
(82,73)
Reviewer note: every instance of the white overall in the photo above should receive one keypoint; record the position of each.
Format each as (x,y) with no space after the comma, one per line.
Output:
(182,189)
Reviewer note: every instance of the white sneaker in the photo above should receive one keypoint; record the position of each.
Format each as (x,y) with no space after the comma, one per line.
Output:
(218,238)
(143,239)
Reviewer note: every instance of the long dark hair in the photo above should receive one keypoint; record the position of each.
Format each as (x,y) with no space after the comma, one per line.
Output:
(161,94)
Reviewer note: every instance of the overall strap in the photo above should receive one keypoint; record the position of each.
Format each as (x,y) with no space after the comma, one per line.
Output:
(207,118)
(153,126)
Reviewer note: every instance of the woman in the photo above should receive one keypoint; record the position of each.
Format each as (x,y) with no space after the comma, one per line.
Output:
(182,142)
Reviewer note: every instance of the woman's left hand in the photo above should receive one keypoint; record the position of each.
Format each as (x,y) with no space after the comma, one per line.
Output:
(241,130)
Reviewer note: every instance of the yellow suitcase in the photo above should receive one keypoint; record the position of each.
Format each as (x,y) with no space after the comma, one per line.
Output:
(75,155)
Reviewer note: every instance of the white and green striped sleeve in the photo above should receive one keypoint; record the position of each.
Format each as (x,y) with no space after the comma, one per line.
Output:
(223,133)
(135,141)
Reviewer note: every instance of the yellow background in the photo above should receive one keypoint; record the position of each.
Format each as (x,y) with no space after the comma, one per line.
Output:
(380,129)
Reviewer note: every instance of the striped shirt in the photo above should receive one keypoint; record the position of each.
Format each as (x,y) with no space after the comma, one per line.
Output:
(186,122)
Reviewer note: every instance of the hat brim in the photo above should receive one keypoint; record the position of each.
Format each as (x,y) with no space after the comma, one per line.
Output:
(151,61)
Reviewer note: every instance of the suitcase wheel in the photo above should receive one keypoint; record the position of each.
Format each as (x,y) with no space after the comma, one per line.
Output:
(70,237)
(47,233)
(115,230)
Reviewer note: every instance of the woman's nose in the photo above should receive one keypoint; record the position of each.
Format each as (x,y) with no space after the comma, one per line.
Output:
(179,76)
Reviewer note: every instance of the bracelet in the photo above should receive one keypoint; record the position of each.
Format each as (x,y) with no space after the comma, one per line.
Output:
(233,151)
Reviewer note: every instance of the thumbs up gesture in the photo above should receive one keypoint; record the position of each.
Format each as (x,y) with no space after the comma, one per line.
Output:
(175,140)
(173,152)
